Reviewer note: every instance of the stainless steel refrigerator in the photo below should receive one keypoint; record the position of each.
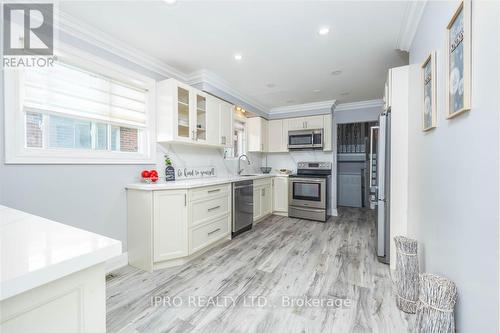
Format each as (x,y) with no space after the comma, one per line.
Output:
(383,187)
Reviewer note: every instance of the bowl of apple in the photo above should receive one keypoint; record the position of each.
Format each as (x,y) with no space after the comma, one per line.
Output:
(149,176)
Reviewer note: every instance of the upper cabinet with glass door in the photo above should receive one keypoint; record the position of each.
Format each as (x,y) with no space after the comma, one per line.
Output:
(187,115)
(183,114)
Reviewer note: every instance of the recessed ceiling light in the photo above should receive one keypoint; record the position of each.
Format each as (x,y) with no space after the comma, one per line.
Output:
(270,85)
(337,72)
(316,90)
(323,31)
(238,56)
(170,2)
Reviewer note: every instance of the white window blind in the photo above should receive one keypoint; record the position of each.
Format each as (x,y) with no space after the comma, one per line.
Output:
(67,90)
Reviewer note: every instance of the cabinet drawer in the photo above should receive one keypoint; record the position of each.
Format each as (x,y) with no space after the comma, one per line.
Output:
(208,192)
(205,235)
(207,209)
(262,182)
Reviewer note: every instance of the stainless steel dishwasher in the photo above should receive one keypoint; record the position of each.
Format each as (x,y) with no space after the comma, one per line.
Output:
(242,206)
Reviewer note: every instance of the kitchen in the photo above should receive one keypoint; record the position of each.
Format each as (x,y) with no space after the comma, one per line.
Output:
(191,182)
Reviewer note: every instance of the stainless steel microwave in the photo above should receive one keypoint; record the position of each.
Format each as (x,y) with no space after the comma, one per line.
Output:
(305,139)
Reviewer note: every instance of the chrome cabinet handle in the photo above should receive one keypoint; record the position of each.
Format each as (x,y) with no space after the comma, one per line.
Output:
(213,191)
(213,208)
(213,231)
(185,199)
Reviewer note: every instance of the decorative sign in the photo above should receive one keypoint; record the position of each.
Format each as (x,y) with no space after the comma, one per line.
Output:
(458,75)
(429,97)
(169,173)
(197,172)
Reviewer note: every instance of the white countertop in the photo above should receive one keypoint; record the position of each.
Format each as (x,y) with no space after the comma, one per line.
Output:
(36,251)
(201,182)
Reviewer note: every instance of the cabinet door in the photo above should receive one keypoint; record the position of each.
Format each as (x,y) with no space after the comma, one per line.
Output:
(264,146)
(183,113)
(275,136)
(200,117)
(280,194)
(213,123)
(257,209)
(294,124)
(267,200)
(170,228)
(314,122)
(254,138)
(327,132)
(226,124)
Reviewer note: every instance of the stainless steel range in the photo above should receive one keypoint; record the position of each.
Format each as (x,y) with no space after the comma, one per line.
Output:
(309,191)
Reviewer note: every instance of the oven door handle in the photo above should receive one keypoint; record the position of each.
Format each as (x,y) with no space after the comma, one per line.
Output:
(308,209)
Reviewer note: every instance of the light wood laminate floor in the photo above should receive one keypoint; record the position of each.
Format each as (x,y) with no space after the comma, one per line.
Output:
(282,260)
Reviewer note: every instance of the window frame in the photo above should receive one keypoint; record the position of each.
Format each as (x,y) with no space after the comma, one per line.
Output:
(16,151)
(229,152)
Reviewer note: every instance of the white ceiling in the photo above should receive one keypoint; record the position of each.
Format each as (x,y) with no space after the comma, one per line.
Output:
(278,40)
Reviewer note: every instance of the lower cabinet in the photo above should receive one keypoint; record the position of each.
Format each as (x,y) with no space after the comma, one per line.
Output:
(262,198)
(280,195)
(170,239)
(169,227)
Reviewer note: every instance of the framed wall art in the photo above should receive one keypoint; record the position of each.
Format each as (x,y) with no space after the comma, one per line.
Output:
(429,112)
(458,61)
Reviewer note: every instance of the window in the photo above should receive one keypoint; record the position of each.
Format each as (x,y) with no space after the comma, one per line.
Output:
(239,138)
(79,112)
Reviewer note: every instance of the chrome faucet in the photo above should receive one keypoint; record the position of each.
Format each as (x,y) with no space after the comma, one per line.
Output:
(239,163)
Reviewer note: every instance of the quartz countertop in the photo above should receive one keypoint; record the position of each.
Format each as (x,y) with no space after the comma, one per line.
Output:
(201,182)
(36,251)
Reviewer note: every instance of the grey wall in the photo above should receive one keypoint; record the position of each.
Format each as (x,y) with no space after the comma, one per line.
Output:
(91,197)
(454,169)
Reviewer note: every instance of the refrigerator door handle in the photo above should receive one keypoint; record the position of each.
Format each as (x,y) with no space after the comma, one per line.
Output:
(372,138)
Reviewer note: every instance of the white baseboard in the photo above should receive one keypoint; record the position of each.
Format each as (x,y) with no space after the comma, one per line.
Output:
(117,262)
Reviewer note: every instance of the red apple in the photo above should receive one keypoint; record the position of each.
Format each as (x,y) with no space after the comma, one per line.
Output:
(145,174)
(153,173)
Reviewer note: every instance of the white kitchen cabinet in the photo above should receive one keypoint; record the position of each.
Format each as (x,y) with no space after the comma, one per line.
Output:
(168,227)
(188,115)
(327,132)
(257,135)
(214,122)
(294,124)
(170,238)
(266,195)
(280,196)
(226,123)
(262,198)
(257,209)
(301,123)
(277,136)
(314,122)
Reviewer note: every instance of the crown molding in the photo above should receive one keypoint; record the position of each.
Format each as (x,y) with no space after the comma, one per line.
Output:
(304,107)
(301,110)
(373,103)
(87,33)
(409,25)
(203,77)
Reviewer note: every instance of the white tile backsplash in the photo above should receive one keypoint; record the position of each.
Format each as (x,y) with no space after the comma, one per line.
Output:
(183,156)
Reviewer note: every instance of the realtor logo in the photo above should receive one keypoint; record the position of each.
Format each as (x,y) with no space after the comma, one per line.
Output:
(28,29)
